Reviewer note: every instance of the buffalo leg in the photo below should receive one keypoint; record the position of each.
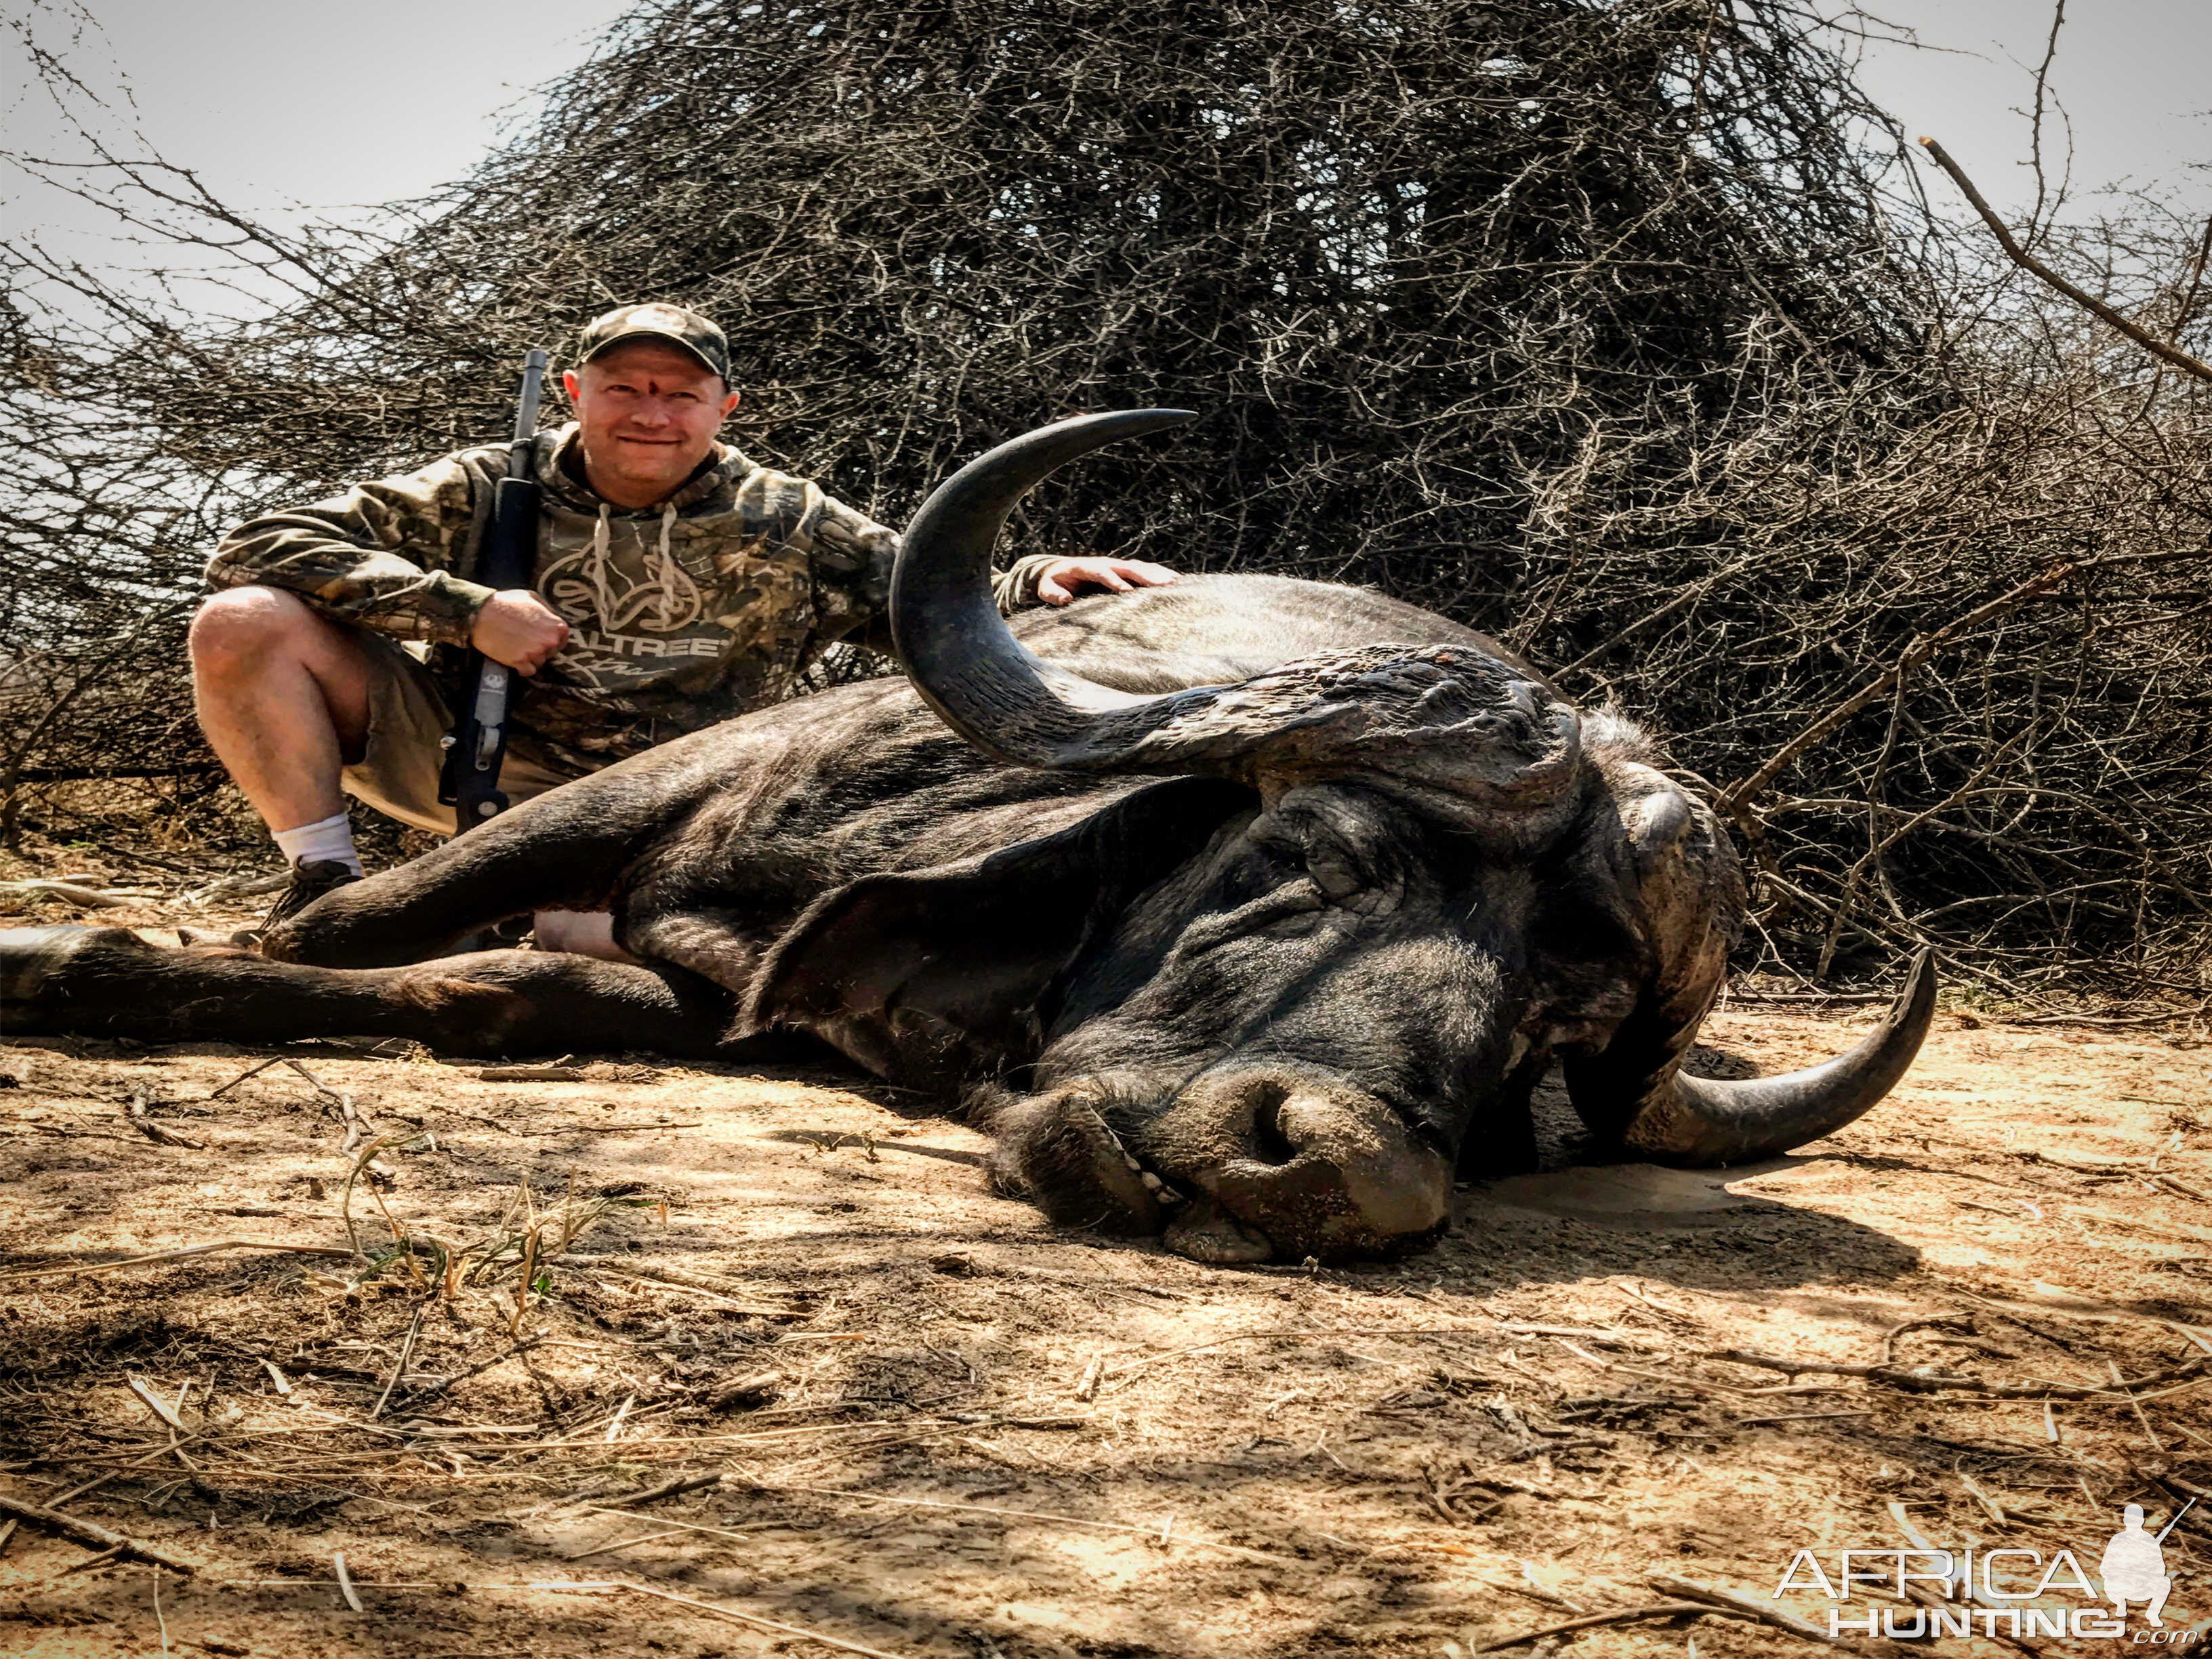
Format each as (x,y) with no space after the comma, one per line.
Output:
(565,850)
(1503,1142)
(107,982)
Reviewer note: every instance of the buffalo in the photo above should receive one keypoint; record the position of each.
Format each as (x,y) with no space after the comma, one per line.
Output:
(1246,912)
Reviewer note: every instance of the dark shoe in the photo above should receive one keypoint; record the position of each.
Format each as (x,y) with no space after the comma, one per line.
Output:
(309,883)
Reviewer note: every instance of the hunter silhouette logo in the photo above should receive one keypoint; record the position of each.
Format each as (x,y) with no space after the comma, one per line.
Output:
(2133,1564)
(2001,1592)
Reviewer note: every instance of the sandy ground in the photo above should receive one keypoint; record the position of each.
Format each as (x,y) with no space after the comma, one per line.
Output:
(926,1423)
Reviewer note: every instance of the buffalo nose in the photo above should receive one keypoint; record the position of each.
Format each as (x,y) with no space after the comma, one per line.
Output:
(1295,1162)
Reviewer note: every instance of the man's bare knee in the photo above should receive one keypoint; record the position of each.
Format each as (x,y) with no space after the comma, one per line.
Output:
(241,628)
(253,645)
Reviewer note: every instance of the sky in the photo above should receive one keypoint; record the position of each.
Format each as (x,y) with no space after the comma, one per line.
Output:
(2133,79)
(307,104)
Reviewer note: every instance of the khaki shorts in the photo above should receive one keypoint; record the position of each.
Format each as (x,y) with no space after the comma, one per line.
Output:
(398,772)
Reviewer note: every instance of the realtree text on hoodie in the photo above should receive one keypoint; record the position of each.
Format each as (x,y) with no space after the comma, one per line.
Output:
(712,604)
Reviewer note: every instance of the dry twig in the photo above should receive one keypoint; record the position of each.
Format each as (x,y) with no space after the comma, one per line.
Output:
(135,1109)
(345,1583)
(399,1365)
(752,1619)
(1927,1381)
(1756,1607)
(87,1532)
(181,1254)
(1594,1621)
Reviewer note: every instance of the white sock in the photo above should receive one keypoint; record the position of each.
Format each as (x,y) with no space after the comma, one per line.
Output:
(328,841)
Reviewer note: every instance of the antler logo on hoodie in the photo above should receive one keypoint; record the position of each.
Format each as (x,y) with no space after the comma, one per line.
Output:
(641,590)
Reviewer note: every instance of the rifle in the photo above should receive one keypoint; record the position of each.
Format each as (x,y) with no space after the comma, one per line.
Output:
(478,743)
(2176,1521)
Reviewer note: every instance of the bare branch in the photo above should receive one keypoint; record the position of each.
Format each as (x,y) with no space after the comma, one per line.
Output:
(2027,261)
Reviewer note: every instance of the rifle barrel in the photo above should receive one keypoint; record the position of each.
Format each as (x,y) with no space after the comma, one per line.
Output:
(526,412)
(476,749)
(2176,1521)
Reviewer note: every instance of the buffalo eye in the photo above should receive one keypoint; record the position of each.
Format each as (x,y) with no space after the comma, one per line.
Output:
(1328,844)
(1333,873)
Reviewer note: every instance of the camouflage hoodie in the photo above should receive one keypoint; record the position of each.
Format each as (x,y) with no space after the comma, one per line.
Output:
(713,603)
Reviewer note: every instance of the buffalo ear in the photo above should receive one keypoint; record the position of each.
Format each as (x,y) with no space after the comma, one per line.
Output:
(933,976)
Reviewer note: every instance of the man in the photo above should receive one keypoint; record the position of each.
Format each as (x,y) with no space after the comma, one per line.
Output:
(2134,1568)
(678,584)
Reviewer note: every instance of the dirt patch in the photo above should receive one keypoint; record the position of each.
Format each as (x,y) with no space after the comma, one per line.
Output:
(936,1426)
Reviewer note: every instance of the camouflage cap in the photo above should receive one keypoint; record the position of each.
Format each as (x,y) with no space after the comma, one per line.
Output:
(685,329)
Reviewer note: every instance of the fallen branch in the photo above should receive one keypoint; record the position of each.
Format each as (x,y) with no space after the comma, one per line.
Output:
(753,1619)
(1795,1416)
(1531,1591)
(85,898)
(2027,261)
(1612,1339)
(2057,1301)
(675,1488)
(1794,997)
(748,1392)
(2181,1488)
(1591,1622)
(101,1559)
(254,1070)
(2097,1164)
(1699,1383)
(1752,1606)
(399,1365)
(87,1532)
(1921,1322)
(1939,1381)
(1142,1360)
(625,1543)
(685,1525)
(189,1251)
(423,1397)
(81,774)
(715,1287)
(135,1110)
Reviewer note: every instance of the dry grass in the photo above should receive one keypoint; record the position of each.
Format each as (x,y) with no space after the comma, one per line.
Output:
(716,1357)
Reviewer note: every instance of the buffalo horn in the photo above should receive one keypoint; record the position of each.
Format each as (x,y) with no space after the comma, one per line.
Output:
(956,646)
(1707,1120)
(1454,723)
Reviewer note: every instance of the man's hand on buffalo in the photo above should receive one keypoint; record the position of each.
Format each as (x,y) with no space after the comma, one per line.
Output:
(1057,583)
(518,628)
